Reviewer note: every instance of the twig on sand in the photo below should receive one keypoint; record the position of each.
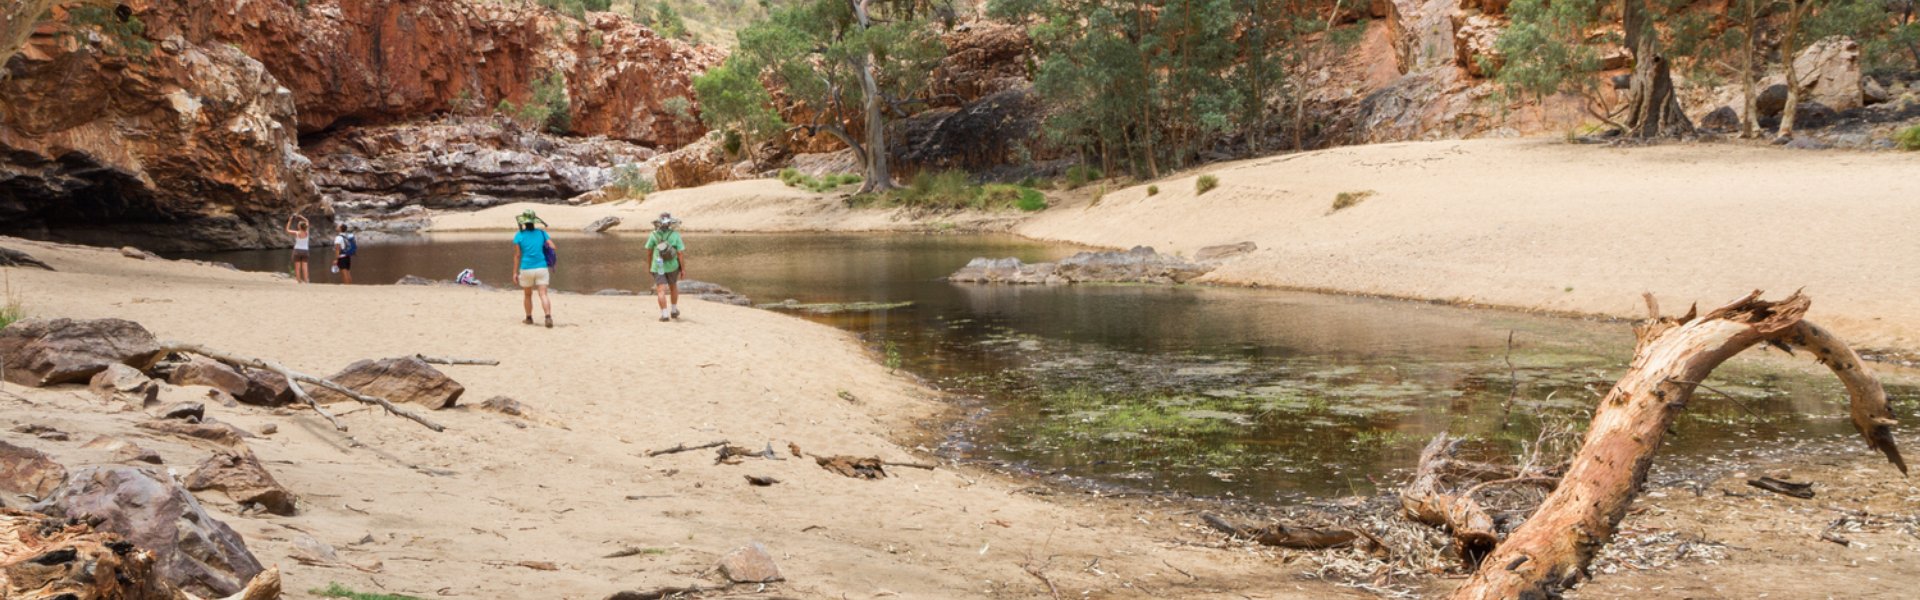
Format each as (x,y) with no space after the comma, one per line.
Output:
(440,360)
(295,378)
(1037,574)
(686,448)
(667,592)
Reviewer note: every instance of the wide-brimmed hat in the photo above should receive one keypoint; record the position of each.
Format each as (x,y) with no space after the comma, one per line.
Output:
(526,217)
(665,221)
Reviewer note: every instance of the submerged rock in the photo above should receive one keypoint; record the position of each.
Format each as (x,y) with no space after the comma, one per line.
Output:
(712,292)
(1139,265)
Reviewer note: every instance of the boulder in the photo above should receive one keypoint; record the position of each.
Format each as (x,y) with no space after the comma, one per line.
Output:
(15,258)
(125,384)
(265,388)
(602,224)
(751,563)
(192,412)
(1829,73)
(1225,251)
(1723,120)
(43,352)
(239,475)
(1772,100)
(400,380)
(28,471)
(200,370)
(124,451)
(1871,92)
(192,550)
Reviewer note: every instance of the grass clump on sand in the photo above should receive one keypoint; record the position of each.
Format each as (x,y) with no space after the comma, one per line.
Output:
(954,190)
(13,309)
(1908,139)
(794,178)
(1080,175)
(1205,184)
(1346,200)
(335,590)
(1153,190)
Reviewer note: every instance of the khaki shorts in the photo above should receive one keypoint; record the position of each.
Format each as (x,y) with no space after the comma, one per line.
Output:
(535,277)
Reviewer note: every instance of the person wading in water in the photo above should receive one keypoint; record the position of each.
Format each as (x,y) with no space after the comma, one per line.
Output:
(533,264)
(668,267)
(302,245)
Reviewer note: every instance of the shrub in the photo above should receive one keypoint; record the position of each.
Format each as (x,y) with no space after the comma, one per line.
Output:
(127,32)
(549,107)
(1205,184)
(14,310)
(732,142)
(1345,200)
(794,178)
(1079,175)
(1908,139)
(335,590)
(628,180)
(1153,190)
(945,189)
(1031,200)
(680,107)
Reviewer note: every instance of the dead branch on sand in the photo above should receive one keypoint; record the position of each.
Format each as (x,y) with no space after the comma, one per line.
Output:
(440,360)
(684,448)
(1552,550)
(295,378)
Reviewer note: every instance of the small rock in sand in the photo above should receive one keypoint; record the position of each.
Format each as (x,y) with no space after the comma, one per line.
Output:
(751,563)
(239,475)
(124,451)
(125,384)
(191,412)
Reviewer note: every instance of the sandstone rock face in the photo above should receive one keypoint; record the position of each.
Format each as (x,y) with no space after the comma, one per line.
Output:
(158,140)
(1139,265)
(1474,36)
(27,471)
(461,163)
(983,59)
(239,475)
(42,352)
(192,550)
(382,61)
(695,165)
(399,380)
(1829,73)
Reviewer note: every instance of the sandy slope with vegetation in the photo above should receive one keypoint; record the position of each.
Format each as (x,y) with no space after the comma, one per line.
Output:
(1544,225)
(744,206)
(454,514)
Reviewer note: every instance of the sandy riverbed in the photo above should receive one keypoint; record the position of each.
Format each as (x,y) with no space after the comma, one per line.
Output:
(616,383)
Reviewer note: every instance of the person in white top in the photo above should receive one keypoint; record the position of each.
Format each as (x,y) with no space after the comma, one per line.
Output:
(302,242)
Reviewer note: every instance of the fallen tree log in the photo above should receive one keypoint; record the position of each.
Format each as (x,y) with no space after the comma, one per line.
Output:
(295,378)
(1552,550)
(1427,501)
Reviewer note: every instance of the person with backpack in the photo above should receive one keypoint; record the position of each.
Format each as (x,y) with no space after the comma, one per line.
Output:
(344,247)
(669,255)
(533,265)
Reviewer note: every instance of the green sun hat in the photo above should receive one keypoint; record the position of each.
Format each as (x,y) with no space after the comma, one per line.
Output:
(526,217)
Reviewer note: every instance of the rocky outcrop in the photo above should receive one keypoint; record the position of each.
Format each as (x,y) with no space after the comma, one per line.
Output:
(1139,265)
(29,472)
(355,62)
(1829,73)
(983,59)
(400,380)
(461,162)
(191,549)
(110,137)
(42,352)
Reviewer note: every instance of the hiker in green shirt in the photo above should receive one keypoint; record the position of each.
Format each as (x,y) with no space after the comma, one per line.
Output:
(669,254)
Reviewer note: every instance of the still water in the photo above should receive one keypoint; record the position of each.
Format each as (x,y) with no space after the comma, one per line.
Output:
(1258,393)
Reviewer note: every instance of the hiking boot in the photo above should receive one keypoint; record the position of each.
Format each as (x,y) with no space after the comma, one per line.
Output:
(663,318)
(676,312)
(529,320)
(549,321)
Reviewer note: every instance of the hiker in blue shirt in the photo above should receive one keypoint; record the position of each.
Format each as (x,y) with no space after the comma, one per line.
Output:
(533,264)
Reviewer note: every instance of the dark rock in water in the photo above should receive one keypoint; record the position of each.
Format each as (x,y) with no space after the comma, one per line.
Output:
(712,292)
(239,475)
(27,471)
(15,258)
(43,352)
(1723,119)
(192,549)
(1139,265)
(400,380)
(751,563)
(1225,251)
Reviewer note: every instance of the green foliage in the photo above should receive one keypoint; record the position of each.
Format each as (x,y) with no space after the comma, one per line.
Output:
(667,22)
(1908,139)
(1345,200)
(630,182)
(335,590)
(1153,190)
(1547,48)
(128,35)
(731,142)
(945,189)
(1080,175)
(596,40)
(549,108)
(1204,184)
(680,107)
(14,310)
(818,185)
(1031,200)
(572,8)
(732,100)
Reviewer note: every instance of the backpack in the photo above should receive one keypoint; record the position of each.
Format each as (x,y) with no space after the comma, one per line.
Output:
(353,246)
(553,258)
